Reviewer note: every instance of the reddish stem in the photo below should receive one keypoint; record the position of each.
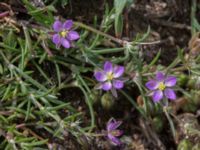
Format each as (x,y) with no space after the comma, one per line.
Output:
(3,14)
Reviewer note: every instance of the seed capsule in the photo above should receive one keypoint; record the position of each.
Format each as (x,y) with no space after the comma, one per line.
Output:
(107,101)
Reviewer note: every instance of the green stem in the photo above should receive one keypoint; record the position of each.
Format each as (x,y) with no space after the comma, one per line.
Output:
(84,84)
(95,135)
(90,108)
(170,122)
(109,50)
(119,41)
(87,100)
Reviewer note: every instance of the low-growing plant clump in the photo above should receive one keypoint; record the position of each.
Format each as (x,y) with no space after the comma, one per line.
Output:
(103,76)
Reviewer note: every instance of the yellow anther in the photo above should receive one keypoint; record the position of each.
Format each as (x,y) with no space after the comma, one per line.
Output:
(110,76)
(161,86)
(115,132)
(63,33)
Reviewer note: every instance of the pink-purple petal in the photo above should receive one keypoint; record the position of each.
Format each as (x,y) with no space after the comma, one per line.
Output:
(160,76)
(118,84)
(170,81)
(114,140)
(113,124)
(106,86)
(118,133)
(109,124)
(152,85)
(157,95)
(100,76)
(169,93)
(118,71)
(65,43)
(56,39)
(73,35)
(108,67)
(68,24)
(57,26)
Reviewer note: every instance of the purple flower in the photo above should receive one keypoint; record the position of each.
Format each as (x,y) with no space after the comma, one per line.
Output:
(64,34)
(162,86)
(109,77)
(112,132)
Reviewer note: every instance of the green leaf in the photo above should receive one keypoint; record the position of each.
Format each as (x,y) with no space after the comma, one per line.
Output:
(10,39)
(119,6)
(118,25)
(43,15)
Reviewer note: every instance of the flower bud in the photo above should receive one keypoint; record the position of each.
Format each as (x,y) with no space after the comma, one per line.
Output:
(191,83)
(193,102)
(182,80)
(107,101)
(94,96)
(194,82)
(196,97)
(140,101)
(194,45)
(157,124)
(185,145)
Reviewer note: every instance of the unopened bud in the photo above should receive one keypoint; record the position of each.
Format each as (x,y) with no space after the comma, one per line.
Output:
(158,124)
(185,145)
(94,96)
(107,101)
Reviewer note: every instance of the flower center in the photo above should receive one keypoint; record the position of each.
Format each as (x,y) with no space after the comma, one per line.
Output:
(161,86)
(63,33)
(110,76)
(115,132)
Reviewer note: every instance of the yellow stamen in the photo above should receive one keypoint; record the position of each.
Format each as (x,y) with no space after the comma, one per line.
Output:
(63,33)
(115,132)
(161,86)
(110,76)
